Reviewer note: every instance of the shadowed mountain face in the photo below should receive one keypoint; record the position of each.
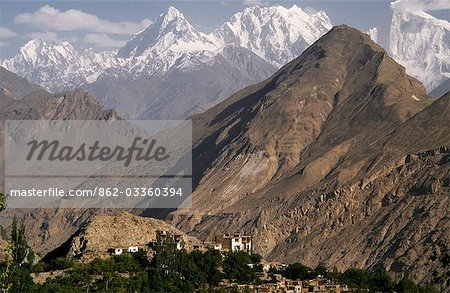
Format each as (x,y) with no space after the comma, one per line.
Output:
(441,89)
(14,87)
(21,100)
(338,158)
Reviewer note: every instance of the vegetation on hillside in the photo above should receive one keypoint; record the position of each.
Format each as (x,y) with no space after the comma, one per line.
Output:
(2,202)
(171,270)
(15,270)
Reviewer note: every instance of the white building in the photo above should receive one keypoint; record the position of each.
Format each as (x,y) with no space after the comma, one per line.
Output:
(235,242)
(133,249)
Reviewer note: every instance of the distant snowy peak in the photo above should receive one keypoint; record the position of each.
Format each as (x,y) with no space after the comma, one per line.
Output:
(170,31)
(56,66)
(276,34)
(46,53)
(418,41)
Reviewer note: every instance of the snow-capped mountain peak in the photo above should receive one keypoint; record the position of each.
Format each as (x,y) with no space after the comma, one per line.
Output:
(170,31)
(56,66)
(276,34)
(35,51)
(418,41)
(172,13)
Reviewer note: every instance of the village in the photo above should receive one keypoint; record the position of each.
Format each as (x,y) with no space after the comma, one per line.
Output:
(236,242)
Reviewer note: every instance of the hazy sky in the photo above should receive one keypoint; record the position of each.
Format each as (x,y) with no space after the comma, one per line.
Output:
(108,24)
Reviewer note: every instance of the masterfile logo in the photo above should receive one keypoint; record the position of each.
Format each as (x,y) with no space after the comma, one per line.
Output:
(54,151)
(98,163)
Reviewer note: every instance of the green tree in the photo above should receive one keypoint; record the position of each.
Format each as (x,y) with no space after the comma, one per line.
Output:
(15,276)
(2,202)
(320,270)
(381,281)
(208,263)
(296,271)
(407,285)
(357,278)
(3,234)
(236,267)
(60,263)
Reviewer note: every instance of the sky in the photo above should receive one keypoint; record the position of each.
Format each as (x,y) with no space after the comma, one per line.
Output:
(105,25)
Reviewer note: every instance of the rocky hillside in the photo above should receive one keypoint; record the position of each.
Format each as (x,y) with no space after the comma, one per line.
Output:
(22,100)
(340,158)
(47,228)
(121,230)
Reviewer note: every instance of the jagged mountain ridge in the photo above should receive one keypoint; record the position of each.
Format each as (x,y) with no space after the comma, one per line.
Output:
(21,100)
(34,103)
(276,34)
(336,152)
(57,66)
(171,40)
(180,92)
(323,161)
(170,44)
(170,32)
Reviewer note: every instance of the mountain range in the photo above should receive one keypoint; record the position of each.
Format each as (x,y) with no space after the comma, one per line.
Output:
(338,158)
(22,100)
(171,70)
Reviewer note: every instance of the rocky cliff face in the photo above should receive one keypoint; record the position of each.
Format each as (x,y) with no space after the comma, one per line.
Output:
(339,158)
(47,228)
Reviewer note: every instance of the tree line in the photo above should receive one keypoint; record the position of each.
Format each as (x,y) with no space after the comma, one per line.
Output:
(173,270)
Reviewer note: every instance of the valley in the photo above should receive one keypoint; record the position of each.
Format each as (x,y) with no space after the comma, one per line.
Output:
(320,155)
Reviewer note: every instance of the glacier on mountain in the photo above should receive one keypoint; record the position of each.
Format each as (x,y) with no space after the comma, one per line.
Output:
(418,41)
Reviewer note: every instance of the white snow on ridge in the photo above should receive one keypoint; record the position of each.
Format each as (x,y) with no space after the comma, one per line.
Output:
(418,41)
(277,34)
(415,39)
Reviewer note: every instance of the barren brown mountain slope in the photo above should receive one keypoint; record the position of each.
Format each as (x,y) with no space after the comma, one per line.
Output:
(14,87)
(340,158)
(21,100)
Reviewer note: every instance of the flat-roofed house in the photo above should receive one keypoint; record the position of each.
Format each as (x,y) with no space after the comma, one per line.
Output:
(234,242)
